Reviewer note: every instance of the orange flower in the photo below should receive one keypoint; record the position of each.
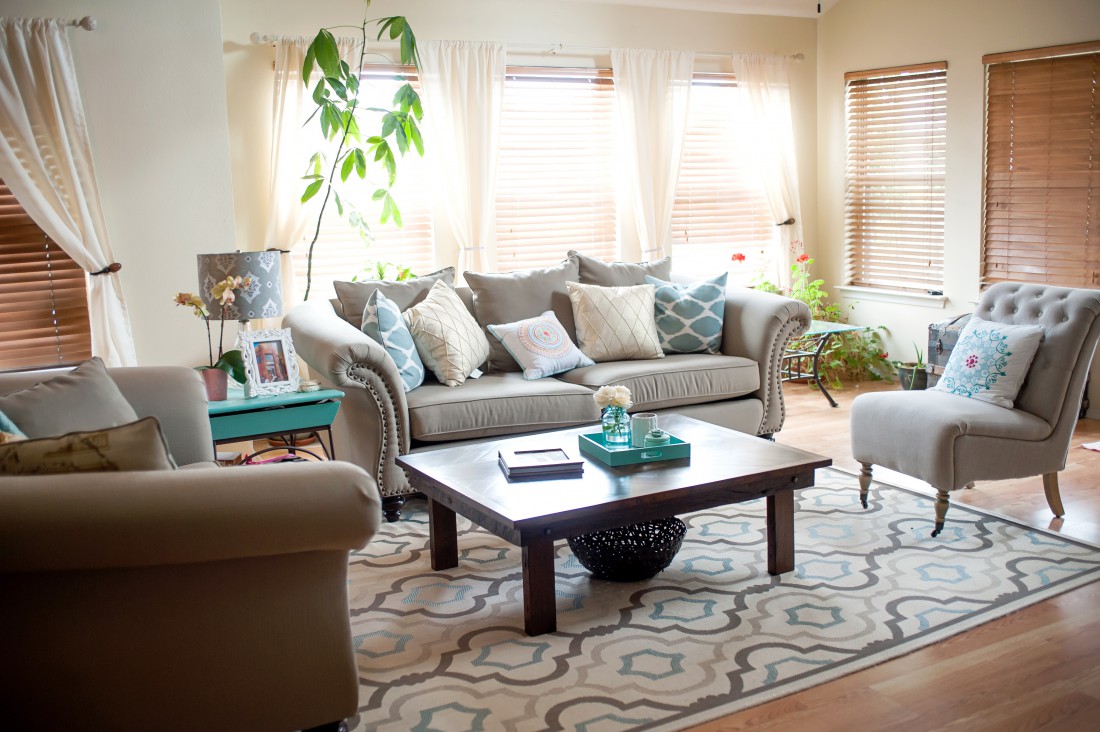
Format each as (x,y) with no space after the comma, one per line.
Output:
(803,258)
(738,257)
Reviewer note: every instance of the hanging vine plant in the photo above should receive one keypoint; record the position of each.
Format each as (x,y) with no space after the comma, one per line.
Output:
(341,113)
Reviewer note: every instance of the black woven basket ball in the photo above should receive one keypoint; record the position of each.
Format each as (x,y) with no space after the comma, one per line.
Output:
(630,553)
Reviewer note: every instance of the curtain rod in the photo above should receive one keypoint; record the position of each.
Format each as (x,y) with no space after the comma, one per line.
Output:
(87,23)
(552,49)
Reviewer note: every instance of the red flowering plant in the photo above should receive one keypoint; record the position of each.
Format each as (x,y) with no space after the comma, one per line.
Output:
(855,356)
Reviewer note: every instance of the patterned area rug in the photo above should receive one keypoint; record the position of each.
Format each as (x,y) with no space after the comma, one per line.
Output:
(712,634)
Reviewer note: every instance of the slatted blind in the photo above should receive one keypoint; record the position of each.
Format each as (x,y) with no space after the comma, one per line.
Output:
(340,254)
(43,296)
(894,177)
(555,179)
(1042,167)
(720,209)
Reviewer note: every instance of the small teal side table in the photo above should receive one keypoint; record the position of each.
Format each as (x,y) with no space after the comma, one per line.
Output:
(800,362)
(239,420)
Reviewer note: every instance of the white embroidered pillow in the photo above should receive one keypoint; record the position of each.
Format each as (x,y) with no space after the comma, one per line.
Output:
(990,361)
(615,323)
(540,346)
(448,339)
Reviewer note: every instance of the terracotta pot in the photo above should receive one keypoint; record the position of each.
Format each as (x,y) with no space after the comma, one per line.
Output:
(216,381)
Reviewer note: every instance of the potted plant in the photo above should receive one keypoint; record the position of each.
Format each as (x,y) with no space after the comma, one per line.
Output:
(340,111)
(913,374)
(229,363)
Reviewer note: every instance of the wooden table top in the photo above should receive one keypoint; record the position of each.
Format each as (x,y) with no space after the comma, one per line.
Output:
(725,467)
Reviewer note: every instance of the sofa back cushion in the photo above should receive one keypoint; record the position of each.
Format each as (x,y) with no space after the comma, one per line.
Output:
(353,295)
(620,274)
(512,296)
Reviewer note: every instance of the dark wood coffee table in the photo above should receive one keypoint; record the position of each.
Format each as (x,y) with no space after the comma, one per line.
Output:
(725,467)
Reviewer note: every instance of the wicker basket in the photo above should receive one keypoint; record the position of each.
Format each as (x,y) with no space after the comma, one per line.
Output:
(630,553)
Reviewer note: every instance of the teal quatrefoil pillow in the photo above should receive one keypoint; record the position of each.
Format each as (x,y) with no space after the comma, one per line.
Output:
(382,322)
(990,361)
(689,317)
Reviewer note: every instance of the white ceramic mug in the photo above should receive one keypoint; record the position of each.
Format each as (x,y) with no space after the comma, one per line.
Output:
(640,424)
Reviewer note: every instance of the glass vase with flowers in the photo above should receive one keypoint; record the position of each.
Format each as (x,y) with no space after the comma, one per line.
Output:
(614,401)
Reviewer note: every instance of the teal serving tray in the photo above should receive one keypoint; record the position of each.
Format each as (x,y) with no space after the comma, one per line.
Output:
(595,446)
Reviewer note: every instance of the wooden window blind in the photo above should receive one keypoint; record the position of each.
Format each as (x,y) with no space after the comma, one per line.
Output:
(340,253)
(556,172)
(1042,167)
(894,176)
(43,296)
(720,209)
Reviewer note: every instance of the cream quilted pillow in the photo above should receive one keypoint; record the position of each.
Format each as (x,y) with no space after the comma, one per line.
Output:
(615,323)
(448,339)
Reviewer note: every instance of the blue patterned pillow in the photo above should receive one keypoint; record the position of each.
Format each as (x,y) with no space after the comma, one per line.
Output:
(383,323)
(540,346)
(8,431)
(990,361)
(689,317)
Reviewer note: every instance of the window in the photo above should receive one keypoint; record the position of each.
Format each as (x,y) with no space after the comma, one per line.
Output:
(720,209)
(340,253)
(1042,167)
(43,296)
(556,175)
(894,178)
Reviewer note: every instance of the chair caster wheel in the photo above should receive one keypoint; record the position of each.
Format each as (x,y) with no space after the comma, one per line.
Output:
(936,531)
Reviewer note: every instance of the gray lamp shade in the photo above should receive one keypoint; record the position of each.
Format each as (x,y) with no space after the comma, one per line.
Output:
(263,298)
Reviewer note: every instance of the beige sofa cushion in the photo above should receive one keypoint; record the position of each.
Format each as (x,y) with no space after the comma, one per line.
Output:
(85,398)
(512,296)
(448,339)
(620,274)
(497,404)
(675,380)
(615,323)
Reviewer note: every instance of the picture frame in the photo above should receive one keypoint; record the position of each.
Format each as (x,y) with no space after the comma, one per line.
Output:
(270,364)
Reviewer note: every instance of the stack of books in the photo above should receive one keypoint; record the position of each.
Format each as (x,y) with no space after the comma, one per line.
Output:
(539,464)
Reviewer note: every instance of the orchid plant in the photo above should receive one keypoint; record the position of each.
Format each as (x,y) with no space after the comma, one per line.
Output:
(225,291)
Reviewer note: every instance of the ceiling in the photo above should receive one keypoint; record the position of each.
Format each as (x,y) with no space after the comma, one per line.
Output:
(790,8)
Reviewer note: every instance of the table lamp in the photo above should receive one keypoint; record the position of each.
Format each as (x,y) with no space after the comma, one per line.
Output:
(263,298)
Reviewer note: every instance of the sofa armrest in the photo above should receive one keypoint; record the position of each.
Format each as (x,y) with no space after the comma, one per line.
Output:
(373,422)
(175,395)
(760,325)
(174,517)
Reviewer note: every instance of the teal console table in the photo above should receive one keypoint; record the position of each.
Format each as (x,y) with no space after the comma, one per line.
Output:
(240,420)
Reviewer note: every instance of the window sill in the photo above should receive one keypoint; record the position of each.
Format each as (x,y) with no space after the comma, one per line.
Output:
(893,296)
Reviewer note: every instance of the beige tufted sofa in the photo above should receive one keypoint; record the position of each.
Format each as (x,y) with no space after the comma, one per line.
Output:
(950,441)
(738,388)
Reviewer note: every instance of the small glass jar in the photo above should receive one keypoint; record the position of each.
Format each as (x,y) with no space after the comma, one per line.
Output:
(657,438)
(616,427)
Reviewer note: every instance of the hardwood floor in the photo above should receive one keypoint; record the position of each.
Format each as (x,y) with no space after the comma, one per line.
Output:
(1035,669)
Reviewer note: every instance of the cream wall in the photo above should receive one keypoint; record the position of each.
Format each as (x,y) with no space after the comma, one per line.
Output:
(869,34)
(248,67)
(150,77)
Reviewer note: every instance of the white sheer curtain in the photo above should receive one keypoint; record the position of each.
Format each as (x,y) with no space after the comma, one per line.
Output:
(291,146)
(463,88)
(769,141)
(46,160)
(653,89)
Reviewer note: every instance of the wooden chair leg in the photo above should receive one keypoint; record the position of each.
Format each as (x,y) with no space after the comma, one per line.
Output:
(1054,499)
(340,726)
(864,482)
(942,503)
(969,485)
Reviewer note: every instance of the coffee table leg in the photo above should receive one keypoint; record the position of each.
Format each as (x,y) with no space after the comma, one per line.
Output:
(781,532)
(443,535)
(539,603)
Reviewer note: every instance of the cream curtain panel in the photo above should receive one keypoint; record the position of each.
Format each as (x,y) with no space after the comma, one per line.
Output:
(46,160)
(291,147)
(463,89)
(767,135)
(653,89)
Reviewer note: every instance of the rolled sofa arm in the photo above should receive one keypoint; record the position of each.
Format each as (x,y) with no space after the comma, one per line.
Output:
(760,325)
(173,517)
(372,426)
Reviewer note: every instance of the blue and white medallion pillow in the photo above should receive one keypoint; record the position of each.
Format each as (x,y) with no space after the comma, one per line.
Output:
(689,317)
(540,346)
(382,322)
(990,361)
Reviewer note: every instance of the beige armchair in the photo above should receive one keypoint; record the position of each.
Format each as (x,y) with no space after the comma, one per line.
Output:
(950,441)
(203,598)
